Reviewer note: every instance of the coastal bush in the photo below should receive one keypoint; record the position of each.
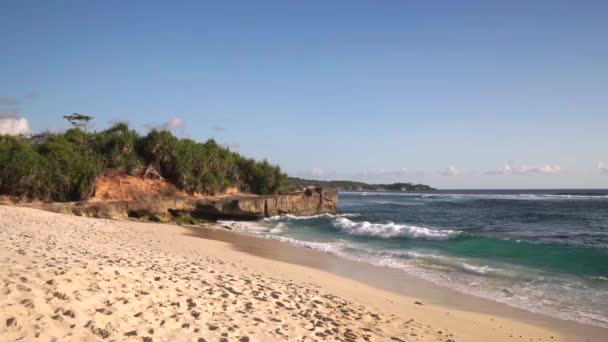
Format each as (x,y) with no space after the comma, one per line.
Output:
(262,178)
(118,146)
(51,170)
(207,167)
(65,166)
(22,169)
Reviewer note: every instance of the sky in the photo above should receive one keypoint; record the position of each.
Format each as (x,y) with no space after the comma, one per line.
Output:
(455,94)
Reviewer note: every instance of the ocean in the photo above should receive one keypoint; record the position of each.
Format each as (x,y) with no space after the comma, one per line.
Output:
(545,251)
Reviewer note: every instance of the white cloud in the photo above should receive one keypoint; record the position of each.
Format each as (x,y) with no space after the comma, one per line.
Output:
(513,168)
(449,171)
(546,169)
(318,173)
(171,125)
(11,123)
(603,168)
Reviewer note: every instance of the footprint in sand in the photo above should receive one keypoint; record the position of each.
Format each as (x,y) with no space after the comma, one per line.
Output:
(28,303)
(61,296)
(11,322)
(69,313)
(104,311)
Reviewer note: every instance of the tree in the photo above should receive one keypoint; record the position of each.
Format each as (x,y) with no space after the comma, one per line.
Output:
(80,121)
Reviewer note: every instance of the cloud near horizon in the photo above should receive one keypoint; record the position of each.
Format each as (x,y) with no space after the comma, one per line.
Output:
(603,168)
(449,171)
(382,175)
(318,172)
(513,168)
(379,175)
(12,123)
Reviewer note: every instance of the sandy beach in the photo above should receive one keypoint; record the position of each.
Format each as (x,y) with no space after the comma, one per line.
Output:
(70,278)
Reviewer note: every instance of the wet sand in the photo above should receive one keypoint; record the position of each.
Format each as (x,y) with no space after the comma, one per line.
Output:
(396,281)
(66,278)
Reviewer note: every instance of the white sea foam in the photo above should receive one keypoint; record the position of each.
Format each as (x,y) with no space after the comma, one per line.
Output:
(484,196)
(397,203)
(293,217)
(446,263)
(244,226)
(480,270)
(326,247)
(391,230)
(279,228)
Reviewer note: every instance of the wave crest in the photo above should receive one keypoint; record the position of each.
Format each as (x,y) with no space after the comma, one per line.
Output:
(294,217)
(392,230)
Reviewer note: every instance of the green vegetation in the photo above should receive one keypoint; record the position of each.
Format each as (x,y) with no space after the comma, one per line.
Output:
(350,185)
(65,166)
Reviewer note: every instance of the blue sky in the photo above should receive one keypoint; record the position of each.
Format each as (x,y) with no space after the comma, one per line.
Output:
(456,94)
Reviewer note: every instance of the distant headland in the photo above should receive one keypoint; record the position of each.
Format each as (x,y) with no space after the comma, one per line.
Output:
(351,185)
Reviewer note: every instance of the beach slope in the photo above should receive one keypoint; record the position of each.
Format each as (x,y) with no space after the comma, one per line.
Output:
(83,279)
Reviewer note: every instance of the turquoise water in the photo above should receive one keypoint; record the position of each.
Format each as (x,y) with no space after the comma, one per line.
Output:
(544,251)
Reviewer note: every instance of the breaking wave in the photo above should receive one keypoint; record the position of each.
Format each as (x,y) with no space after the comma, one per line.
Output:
(392,230)
(293,217)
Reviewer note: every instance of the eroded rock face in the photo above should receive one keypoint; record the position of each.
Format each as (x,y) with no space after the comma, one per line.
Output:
(313,201)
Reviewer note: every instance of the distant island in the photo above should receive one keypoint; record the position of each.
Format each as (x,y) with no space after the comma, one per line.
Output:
(357,186)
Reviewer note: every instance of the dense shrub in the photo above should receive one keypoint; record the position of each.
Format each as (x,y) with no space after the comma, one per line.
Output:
(72,170)
(22,169)
(50,170)
(64,167)
(118,146)
(261,178)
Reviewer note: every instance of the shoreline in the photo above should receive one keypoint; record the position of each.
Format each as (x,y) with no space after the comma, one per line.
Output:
(81,279)
(393,280)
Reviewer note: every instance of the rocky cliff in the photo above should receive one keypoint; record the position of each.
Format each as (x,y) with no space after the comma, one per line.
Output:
(312,201)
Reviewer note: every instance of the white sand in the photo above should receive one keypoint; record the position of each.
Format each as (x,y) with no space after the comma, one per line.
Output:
(80,279)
